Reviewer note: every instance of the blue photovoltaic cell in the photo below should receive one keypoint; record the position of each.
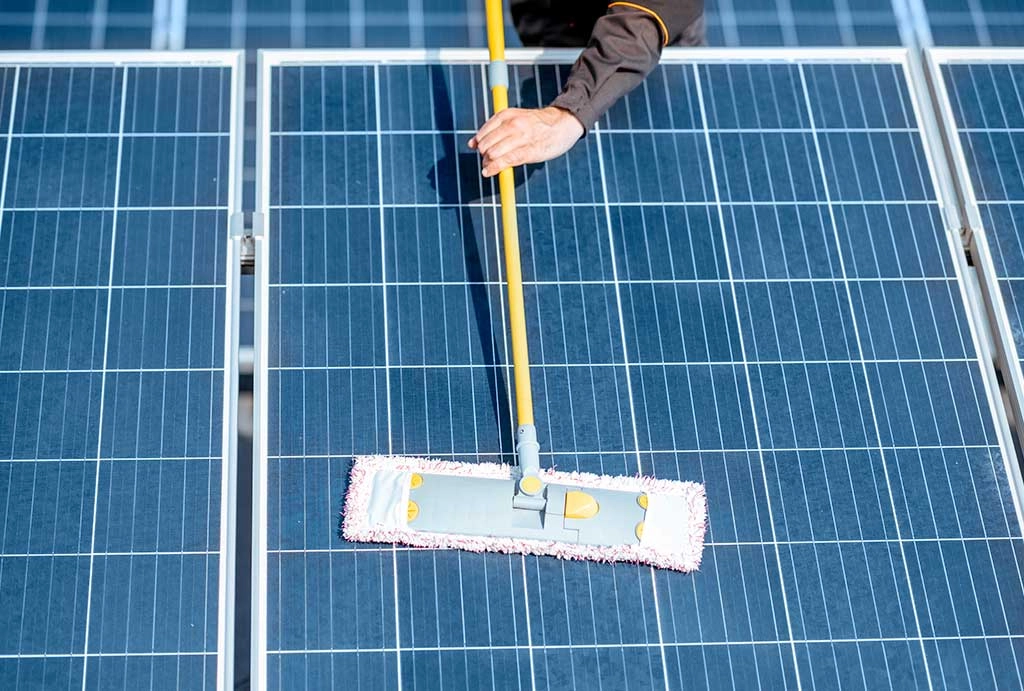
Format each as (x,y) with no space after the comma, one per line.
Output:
(741,277)
(63,24)
(112,311)
(975,22)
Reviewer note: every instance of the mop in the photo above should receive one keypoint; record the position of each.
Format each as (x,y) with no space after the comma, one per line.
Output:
(523,508)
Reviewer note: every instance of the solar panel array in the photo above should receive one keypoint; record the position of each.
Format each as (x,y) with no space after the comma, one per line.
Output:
(975,22)
(742,277)
(449,23)
(114,200)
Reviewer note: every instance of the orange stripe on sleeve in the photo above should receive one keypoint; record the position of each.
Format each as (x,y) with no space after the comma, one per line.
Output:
(664,29)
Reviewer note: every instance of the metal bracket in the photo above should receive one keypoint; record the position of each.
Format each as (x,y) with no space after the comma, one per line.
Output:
(246,233)
(236,225)
(967,239)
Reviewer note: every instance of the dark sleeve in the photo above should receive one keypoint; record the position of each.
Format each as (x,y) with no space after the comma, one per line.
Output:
(624,47)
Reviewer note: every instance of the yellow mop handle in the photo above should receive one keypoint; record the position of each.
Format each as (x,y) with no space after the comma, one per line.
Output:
(513,270)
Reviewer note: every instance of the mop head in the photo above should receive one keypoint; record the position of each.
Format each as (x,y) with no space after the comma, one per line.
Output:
(428,503)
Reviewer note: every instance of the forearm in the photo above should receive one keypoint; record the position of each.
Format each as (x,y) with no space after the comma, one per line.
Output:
(624,48)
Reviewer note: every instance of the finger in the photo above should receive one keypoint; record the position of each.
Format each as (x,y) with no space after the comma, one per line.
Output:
(502,124)
(474,141)
(495,162)
(493,123)
(520,145)
(506,127)
(509,160)
(505,136)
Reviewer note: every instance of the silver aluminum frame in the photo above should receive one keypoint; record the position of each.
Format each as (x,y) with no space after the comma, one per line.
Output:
(119,58)
(235,61)
(556,56)
(229,443)
(269,59)
(1005,352)
(261,355)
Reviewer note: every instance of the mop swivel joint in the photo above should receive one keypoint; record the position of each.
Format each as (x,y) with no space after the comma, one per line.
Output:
(529,490)
(528,450)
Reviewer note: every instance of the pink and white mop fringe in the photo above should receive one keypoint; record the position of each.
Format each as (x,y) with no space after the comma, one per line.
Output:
(356,528)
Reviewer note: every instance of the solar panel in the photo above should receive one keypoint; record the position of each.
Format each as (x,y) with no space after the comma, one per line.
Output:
(742,276)
(975,22)
(116,438)
(980,95)
(64,24)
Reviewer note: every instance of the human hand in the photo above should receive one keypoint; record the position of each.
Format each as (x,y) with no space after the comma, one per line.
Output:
(525,135)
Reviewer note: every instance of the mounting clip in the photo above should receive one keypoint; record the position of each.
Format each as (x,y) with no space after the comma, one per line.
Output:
(967,237)
(246,232)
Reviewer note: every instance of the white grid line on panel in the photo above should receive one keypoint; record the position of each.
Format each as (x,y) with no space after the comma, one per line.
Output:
(387,349)
(103,385)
